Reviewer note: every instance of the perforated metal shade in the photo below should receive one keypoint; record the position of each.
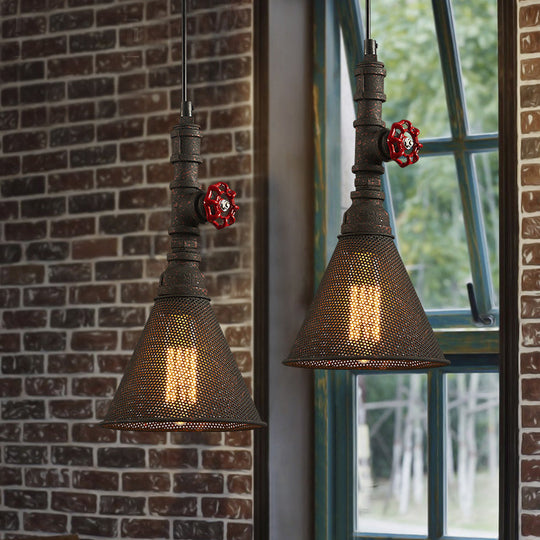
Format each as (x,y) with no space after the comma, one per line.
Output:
(366,314)
(182,375)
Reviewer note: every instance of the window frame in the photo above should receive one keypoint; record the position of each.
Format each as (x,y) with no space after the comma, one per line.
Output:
(333,402)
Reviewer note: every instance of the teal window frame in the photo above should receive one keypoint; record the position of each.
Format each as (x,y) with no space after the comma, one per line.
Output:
(470,350)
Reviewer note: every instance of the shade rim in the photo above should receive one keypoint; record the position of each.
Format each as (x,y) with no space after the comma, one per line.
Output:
(148,423)
(366,362)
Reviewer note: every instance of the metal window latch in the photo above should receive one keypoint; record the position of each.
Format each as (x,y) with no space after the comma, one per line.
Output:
(484,320)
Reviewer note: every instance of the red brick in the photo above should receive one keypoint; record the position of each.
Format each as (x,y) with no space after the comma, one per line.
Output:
(97,340)
(94,248)
(27,274)
(23,26)
(43,207)
(238,336)
(34,117)
(531,254)
(121,457)
(187,529)
(10,476)
(92,526)
(91,202)
(37,477)
(530,470)
(159,173)
(26,455)
(98,155)
(44,296)
(117,62)
(49,46)
(529,16)
(25,231)
(530,69)
(74,180)
(24,141)
(198,483)
(62,273)
(529,42)
(94,386)
(144,481)
(138,292)
(145,528)
(227,508)
(121,14)
(130,338)
(45,432)
(9,297)
(233,117)
(173,506)
(531,334)
(70,363)
(226,459)
(208,438)
(121,316)
(25,319)
(70,409)
(45,161)
(134,82)
(71,20)
(92,480)
(90,88)
(29,185)
(23,409)
(42,522)
(173,458)
(113,363)
(530,525)
(150,149)
(121,224)
(47,251)
(45,386)
(69,228)
(136,245)
(121,505)
(9,343)
(143,437)
(44,341)
(10,165)
(22,365)
(89,433)
(66,502)
(120,129)
(118,270)
(143,104)
(239,483)
(119,176)
(92,294)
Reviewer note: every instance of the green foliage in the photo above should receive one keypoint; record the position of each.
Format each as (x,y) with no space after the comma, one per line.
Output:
(426,197)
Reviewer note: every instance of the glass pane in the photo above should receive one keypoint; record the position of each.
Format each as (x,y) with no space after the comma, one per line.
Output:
(414,84)
(473,452)
(476,34)
(487,172)
(391,458)
(430,231)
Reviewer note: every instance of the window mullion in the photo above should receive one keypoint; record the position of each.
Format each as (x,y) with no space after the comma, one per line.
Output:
(436,453)
(472,210)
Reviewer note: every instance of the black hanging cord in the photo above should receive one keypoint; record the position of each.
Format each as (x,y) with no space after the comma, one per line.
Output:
(186,109)
(370,44)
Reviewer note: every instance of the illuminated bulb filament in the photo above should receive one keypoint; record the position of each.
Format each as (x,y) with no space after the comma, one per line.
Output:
(365,313)
(181,383)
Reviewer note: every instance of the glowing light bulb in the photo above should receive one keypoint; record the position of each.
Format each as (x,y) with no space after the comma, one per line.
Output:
(181,364)
(365,302)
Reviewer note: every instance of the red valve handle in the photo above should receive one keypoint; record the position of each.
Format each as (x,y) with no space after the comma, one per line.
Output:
(403,143)
(219,205)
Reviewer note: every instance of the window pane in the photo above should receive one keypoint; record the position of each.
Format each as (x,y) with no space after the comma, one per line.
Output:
(391,459)
(473,451)
(487,172)
(414,87)
(476,34)
(431,232)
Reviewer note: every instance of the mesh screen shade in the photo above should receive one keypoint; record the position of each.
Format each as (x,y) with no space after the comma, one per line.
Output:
(366,313)
(182,375)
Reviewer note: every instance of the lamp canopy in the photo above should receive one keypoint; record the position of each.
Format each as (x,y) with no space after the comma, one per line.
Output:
(366,313)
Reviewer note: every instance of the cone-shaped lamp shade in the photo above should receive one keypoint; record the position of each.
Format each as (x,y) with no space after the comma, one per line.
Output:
(366,314)
(182,375)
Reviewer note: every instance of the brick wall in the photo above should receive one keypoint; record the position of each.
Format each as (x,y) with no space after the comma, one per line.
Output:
(529,172)
(90,90)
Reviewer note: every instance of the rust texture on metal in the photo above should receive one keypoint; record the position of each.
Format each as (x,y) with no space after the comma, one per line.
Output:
(182,276)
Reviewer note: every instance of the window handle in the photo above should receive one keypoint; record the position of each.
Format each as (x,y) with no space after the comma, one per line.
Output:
(484,320)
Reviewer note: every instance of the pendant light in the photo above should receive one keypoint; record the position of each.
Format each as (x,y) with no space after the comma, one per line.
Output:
(182,375)
(366,313)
